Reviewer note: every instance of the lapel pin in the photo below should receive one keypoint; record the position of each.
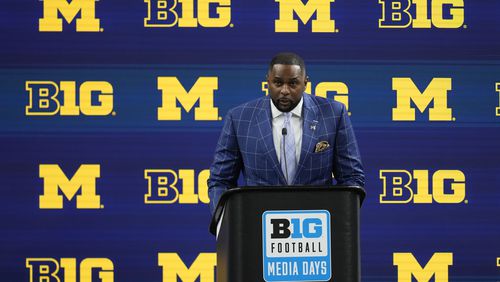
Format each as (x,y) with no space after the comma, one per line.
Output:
(313,125)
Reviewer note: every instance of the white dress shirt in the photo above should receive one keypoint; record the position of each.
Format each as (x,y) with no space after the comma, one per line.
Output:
(296,123)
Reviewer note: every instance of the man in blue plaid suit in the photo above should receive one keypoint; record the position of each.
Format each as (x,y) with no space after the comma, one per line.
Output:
(286,138)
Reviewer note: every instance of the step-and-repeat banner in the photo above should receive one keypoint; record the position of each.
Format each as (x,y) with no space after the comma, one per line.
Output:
(111,111)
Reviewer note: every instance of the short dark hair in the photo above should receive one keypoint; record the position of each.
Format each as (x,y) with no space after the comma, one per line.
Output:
(288,58)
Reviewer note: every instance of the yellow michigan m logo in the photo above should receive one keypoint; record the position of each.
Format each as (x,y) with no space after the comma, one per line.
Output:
(202,92)
(51,22)
(407,91)
(286,22)
(84,180)
(203,267)
(437,266)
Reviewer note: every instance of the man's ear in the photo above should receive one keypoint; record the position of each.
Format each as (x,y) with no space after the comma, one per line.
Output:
(306,80)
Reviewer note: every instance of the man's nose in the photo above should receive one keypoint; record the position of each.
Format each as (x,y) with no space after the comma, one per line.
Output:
(285,90)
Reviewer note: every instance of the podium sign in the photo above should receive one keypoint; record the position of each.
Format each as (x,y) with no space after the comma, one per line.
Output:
(296,245)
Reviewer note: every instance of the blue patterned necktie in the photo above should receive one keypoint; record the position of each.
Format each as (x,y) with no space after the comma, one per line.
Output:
(288,164)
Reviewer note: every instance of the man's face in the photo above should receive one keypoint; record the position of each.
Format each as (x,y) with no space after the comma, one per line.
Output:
(286,85)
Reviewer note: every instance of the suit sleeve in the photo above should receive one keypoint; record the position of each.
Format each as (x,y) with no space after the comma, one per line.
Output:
(347,166)
(227,163)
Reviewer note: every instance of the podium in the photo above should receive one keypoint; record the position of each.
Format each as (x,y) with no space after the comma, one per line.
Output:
(291,233)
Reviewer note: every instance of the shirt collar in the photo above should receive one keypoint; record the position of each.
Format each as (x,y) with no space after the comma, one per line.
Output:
(297,111)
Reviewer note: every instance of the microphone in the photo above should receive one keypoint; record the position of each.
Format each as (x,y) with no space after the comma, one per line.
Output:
(283,132)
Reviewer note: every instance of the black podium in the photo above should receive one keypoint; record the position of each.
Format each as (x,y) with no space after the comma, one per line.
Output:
(291,233)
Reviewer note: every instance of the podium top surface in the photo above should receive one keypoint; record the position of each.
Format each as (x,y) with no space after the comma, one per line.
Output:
(279,189)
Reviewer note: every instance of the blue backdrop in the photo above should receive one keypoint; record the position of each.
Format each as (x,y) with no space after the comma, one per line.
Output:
(131,139)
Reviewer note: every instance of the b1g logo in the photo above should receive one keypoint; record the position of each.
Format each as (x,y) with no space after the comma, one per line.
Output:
(296,245)
(322,89)
(436,92)
(95,98)
(437,267)
(164,186)
(166,13)
(415,13)
(402,186)
(305,11)
(49,270)
(202,92)
(68,10)
(84,180)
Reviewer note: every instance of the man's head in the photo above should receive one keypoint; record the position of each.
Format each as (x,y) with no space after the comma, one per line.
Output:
(287,80)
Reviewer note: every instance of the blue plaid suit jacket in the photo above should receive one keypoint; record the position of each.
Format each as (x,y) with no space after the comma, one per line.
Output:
(246,145)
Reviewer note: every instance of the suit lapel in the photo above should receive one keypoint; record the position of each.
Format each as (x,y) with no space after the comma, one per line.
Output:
(264,124)
(309,129)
